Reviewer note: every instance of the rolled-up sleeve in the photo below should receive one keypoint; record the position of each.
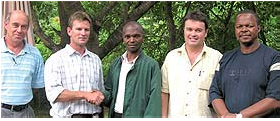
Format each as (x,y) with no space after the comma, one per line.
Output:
(53,85)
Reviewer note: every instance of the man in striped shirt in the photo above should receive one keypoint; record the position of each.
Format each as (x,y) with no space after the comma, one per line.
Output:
(22,68)
(74,75)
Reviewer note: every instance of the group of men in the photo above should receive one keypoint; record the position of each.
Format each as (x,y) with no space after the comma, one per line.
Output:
(194,80)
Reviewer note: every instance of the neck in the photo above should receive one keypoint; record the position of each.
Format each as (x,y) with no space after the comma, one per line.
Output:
(193,49)
(193,52)
(80,49)
(249,49)
(131,56)
(15,47)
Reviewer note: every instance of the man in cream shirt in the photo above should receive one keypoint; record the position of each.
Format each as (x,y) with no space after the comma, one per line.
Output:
(187,72)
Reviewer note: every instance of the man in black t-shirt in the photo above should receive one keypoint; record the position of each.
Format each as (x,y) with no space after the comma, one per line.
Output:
(248,81)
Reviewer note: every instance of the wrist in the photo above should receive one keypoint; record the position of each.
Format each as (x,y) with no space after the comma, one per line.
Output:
(239,115)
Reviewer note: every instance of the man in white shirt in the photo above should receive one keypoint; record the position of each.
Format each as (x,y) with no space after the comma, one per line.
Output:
(73,75)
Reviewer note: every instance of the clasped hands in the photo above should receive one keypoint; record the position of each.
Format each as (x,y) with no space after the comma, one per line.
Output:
(95,97)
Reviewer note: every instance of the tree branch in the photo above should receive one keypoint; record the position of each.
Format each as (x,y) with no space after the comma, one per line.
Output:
(115,38)
(39,32)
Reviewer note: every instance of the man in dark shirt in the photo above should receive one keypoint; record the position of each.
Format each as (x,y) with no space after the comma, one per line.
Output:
(248,81)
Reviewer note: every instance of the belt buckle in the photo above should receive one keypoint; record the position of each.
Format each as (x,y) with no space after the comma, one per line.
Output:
(14,108)
(17,108)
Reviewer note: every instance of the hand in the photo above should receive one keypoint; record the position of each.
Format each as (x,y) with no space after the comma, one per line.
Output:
(95,97)
(229,115)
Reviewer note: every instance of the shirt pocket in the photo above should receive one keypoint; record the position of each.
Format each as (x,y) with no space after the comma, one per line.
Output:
(206,83)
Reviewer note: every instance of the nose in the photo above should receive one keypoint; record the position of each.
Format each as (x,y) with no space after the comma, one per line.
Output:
(19,29)
(131,39)
(83,32)
(193,33)
(244,29)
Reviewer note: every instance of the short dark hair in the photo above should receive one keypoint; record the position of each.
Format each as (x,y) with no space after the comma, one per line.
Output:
(78,15)
(133,23)
(197,16)
(247,11)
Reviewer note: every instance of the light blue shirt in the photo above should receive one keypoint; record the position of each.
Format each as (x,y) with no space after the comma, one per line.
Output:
(20,73)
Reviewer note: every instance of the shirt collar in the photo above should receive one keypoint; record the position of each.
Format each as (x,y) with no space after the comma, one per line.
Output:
(124,58)
(71,51)
(5,49)
(182,49)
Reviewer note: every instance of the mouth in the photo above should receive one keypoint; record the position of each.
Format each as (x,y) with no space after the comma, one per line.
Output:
(192,39)
(245,36)
(83,39)
(132,45)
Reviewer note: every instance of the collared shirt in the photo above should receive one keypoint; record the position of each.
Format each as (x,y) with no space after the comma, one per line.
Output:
(188,84)
(126,66)
(67,69)
(20,73)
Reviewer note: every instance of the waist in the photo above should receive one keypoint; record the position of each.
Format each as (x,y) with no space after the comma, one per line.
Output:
(117,115)
(95,115)
(15,108)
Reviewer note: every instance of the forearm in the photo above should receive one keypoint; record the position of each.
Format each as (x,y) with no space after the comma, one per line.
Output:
(220,107)
(164,104)
(261,108)
(67,95)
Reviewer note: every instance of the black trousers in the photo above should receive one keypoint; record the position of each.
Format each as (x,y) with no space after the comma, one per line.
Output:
(117,115)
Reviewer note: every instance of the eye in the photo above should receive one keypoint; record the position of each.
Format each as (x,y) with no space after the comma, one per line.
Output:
(238,27)
(126,37)
(188,29)
(137,36)
(198,30)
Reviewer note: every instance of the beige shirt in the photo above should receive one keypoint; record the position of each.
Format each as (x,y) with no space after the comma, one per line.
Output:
(188,85)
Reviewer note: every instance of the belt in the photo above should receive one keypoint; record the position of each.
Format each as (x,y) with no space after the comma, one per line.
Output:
(95,115)
(117,115)
(16,108)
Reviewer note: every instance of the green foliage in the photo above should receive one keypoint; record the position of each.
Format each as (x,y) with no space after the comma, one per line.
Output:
(220,36)
(45,52)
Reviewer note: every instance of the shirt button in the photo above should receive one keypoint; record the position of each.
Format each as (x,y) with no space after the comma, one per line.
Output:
(188,93)
(190,81)
(187,104)
(186,114)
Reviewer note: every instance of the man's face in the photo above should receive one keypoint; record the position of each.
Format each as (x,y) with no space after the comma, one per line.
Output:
(194,32)
(133,38)
(79,33)
(16,27)
(246,29)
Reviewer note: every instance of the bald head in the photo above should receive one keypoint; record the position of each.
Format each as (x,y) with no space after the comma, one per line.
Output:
(133,24)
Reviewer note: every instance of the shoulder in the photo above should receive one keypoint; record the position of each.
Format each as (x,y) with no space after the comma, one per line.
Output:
(269,54)
(147,59)
(33,50)
(175,53)
(269,50)
(94,56)
(213,52)
(56,57)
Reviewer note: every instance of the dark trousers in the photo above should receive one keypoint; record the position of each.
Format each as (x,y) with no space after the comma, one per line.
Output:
(117,115)
(85,116)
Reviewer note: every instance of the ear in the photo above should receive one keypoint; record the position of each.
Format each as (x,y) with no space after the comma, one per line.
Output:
(5,25)
(206,32)
(259,28)
(69,31)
